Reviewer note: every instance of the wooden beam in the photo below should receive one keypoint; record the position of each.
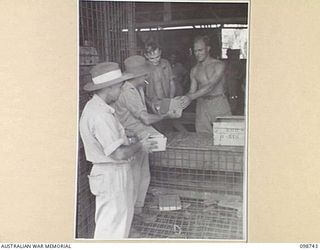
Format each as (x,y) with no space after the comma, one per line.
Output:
(238,20)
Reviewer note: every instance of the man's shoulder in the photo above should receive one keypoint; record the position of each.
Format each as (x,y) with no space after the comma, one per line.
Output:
(93,110)
(194,68)
(215,62)
(165,63)
(127,90)
(127,86)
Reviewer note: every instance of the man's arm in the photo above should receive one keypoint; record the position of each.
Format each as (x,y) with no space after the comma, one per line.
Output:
(124,152)
(172,85)
(152,103)
(172,88)
(214,75)
(193,82)
(148,119)
(186,100)
(112,142)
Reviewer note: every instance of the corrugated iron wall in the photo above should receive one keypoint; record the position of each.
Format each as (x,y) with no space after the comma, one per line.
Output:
(106,33)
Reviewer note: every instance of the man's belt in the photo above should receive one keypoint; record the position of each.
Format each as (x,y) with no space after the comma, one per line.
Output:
(211,97)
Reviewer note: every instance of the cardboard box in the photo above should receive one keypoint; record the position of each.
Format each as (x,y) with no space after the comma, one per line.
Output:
(161,142)
(154,135)
(171,107)
(229,131)
(169,202)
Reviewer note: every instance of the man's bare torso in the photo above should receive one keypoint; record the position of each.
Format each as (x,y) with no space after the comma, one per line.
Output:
(202,72)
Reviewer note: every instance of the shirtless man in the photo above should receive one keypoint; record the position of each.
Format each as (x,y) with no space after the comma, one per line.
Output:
(207,87)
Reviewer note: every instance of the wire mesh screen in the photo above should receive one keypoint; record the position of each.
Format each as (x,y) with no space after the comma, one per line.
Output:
(209,182)
(117,29)
(104,25)
(92,26)
(197,219)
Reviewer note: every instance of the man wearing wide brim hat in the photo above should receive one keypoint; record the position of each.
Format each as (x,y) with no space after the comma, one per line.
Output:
(132,112)
(107,147)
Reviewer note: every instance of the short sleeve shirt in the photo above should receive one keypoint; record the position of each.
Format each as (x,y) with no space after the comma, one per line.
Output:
(129,106)
(159,80)
(101,132)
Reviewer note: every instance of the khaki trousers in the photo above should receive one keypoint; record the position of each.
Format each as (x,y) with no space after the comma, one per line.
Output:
(141,177)
(207,110)
(112,184)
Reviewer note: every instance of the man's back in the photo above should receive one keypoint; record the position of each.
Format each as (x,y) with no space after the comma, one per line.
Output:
(129,106)
(100,131)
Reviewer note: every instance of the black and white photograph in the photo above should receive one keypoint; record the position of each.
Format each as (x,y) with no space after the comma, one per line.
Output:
(162,120)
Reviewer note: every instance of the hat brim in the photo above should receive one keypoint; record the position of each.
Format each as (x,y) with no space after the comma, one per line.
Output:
(92,87)
(146,69)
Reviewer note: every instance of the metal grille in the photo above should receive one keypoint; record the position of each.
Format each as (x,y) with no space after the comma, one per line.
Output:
(119,16)
(209,182)
(199,220)
(92,26)
(108,26)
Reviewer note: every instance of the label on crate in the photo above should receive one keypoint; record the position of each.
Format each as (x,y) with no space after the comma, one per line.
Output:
(229,136)
(229,131)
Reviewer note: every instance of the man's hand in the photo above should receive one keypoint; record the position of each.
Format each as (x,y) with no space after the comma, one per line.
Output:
(155,106)
(129,133)
(148,145)
(185,101)
(173,114)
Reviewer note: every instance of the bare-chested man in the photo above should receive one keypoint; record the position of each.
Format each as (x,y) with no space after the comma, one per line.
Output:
(207,86)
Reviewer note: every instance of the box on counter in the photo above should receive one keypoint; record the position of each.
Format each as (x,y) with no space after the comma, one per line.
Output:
(229,131)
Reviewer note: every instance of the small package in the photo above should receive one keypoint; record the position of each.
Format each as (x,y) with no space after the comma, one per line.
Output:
(164,105)
(169,202)
(171,107)
(161,141)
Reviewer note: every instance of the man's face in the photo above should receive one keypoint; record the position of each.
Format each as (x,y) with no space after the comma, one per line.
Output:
(115,91)
(201,51)
(154,57)
(141,80)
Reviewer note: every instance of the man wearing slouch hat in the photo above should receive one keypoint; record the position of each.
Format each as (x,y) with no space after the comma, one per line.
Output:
(107,147)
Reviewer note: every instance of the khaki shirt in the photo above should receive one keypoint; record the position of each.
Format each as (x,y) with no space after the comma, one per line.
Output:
(159,81)
(129,106)
(101,132)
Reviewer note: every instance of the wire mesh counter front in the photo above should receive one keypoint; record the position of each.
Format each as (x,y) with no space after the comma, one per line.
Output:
(208,180)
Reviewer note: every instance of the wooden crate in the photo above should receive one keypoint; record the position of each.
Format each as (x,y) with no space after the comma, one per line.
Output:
(229,131)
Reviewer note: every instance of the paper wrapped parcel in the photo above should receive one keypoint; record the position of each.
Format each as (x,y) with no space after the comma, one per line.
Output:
(170,107)
(161,142)
(154,135)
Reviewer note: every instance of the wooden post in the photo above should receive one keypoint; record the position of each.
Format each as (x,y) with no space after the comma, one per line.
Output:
(106,31)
